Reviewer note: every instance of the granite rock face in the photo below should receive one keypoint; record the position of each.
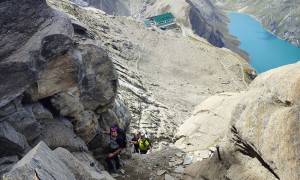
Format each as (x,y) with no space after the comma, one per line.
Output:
(53,88)
(261,132)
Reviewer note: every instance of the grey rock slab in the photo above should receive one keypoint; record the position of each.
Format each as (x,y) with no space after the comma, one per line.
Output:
(171,164)
(197,153)
(122,171)
(168,177)
(188,159)
(212,149)
(179,170)
(107,175)
(205,154)
(40,163)
(178,162)
(76,167)
(160,172)
(60,133)
(114,175)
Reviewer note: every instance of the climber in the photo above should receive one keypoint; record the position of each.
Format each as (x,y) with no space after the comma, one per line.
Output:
(117,144)
(144,144)
(134,141)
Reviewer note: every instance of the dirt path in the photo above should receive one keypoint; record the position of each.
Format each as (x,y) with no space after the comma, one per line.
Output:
(148,166)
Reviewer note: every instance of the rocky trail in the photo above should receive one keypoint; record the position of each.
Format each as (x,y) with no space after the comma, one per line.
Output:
(165,164)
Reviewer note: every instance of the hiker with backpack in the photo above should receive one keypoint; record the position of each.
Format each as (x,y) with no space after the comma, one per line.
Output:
(117,144)
(144,144)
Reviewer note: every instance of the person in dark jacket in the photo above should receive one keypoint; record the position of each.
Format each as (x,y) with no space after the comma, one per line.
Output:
(134,141)
(117,144)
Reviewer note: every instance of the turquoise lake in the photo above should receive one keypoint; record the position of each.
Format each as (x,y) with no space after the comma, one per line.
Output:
(266,51)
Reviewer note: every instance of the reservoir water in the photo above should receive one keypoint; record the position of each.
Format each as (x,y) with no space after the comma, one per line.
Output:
(266,51)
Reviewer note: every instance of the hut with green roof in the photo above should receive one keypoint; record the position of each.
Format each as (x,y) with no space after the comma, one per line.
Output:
(164,20)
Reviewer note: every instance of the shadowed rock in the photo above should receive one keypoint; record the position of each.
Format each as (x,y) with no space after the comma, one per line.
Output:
(60,133)
(23,28)
(24,121)
(12,142)
(55,45)
(85,121)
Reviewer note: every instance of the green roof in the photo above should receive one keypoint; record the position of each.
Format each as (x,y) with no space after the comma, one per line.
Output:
(147,22)
(163,17)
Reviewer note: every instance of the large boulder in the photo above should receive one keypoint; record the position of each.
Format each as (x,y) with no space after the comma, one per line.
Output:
(60,75)
(85,66)
(39,163)
(98,79)
(263,132)
(24,25)
(122,113)
(85,121)
(60,133)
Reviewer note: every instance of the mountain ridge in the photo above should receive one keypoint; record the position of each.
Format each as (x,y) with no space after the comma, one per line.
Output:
(279,17)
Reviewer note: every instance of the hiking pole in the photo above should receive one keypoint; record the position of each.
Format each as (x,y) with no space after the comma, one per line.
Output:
(82,150)
(97,132)
(218,151)
(91,163)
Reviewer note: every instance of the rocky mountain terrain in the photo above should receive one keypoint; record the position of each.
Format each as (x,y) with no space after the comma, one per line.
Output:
(188,15)
(66,77)
(279,17)
(202,17)
(143,61)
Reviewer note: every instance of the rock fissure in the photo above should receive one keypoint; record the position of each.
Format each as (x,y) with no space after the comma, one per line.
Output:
(248,150)
(37,175)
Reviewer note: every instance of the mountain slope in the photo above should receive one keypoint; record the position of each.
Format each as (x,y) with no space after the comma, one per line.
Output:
(142,9)
(163,74)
